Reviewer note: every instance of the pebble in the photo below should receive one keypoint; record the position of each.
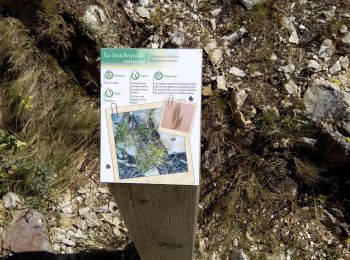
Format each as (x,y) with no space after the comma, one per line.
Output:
(344,62)
(237,72)
(215,12)
(143,12)
(273,56)
(294,38)
(346,38)
(178,38)
(326,49)
(343,28)
(314,65)
(221,82)
(290,68)
(68,242)
(10,200)
(335,68)
(291,88)
(236,35)
(91,219)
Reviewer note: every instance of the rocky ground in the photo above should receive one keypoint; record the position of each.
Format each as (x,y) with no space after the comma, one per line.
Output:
(276,123)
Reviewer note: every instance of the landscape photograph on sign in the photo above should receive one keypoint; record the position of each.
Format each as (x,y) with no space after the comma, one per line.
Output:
(142,152)
(177,117)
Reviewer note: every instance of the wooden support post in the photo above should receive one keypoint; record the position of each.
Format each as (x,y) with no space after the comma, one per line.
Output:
(161,219)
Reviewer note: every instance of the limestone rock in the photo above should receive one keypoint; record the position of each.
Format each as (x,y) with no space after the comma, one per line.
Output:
(91,219)
(178,38)
(215,12)
(94,16)
(326,49)
(325,100)
(335,68)
(314,65)
(236,35)
(344,62)
(249,4)
(142,12)
(27,233)
(343,29)
(294,38)
(152,172)
(221,82)
(215,54)
(237,72)
(172,143)
(10,200)
(291,88)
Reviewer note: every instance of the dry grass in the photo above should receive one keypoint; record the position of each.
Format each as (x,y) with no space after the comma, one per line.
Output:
(42,105)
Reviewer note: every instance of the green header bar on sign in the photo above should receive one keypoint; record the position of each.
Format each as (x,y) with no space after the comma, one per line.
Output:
(124,56)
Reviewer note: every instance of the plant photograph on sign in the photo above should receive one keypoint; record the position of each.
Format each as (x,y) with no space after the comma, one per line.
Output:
(142,150)
(177,117)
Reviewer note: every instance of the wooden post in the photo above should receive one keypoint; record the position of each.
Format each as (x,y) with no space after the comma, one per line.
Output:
(161,219)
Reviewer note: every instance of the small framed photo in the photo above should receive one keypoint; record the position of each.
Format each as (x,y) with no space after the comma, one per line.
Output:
(140,153)
(177,117)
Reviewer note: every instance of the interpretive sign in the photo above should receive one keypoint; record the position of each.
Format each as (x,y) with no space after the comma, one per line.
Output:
(150,115)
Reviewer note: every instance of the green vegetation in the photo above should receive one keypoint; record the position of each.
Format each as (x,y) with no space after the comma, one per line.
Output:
(149,151)
(47,111)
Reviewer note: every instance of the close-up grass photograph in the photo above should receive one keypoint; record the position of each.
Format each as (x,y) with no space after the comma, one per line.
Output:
(274,181)
(142,150)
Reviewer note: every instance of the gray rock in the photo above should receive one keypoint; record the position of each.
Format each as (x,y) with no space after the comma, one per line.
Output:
(216,57)
(329,14)
(172,143)
(68,242)
(215,54)
(325,100)
(94,17)
(236,35)
(215,12)
(237,72)
(238,254)
(178,38)
(249,4)
(10,200)
(343,28)
(221,82)
(294,38)
(240,98)
(314,65)
(152,172)
(344,62)
(142,12)
(346,38)
(287,23)
(91,219)
(144,2)
(324,103)
(131,150)
(335,68)
(27,233)
(291,88)
(326,49)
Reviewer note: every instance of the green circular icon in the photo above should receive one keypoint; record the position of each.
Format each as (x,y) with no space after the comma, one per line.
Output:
(135,75)
(158,75)
(109,93)
(109,74)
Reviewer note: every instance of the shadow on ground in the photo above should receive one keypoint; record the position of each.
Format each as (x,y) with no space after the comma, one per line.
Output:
(105,255)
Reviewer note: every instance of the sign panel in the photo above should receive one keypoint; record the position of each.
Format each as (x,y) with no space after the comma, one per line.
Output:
(150,115)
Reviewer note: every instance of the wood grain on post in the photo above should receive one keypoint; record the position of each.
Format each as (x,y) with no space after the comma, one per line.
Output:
(161,219)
